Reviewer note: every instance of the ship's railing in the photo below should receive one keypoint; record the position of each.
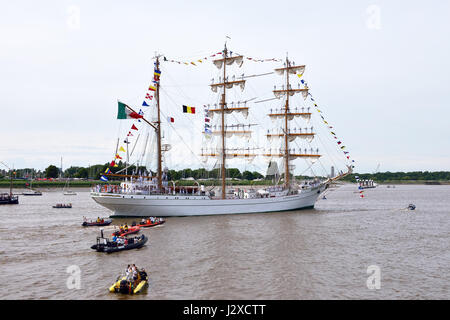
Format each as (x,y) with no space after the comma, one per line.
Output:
(140,190)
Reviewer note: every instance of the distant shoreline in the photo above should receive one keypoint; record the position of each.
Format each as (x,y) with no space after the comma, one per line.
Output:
(21,184)
(424,182)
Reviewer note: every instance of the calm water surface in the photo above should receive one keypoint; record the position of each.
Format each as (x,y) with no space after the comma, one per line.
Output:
(309,254)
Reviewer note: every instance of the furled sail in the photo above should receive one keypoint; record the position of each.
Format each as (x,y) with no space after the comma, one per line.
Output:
(243,110)
(238,60)
(229,134)
(292,70)
(291,136)
(290,116)
(228,85)
(291,92)
(293,155)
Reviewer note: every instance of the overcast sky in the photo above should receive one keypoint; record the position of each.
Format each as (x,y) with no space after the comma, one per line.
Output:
(379,70)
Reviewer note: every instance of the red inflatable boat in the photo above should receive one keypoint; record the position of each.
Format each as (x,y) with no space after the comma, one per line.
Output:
(148,223)
(131,230)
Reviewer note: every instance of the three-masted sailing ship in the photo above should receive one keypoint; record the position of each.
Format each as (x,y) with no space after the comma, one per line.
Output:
(154,196)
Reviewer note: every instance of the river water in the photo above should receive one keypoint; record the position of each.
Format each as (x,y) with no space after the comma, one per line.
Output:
(323,253)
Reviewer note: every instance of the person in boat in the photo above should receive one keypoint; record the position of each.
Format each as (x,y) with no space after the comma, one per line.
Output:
(143,274)
(98,219)
(148,221)
(143,221)
(114,238)
(125,227)
(129,272)
(135,276)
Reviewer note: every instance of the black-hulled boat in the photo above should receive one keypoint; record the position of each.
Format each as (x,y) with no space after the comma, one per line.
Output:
(105,245)
(62,206)
(8,198)
(102,222)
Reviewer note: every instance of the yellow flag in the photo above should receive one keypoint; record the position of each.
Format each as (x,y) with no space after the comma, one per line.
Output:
(200,60)
(193,63)
(122,149)
(299,75)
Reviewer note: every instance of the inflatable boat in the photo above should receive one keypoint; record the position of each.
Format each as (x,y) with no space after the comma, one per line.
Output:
(104,222)
(149,224)
(122,233)
(105,245)
(128,286)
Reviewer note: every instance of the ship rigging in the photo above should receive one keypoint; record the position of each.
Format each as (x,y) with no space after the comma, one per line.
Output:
(150,194)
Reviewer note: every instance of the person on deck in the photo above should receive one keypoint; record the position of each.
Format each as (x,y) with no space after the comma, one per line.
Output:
(143,274)
(135,276)
(128,271)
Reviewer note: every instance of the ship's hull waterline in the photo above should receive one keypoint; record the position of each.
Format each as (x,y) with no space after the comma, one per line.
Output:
(125,205)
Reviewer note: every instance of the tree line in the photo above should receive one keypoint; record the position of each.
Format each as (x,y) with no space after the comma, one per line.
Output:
(94,172)
(391,176)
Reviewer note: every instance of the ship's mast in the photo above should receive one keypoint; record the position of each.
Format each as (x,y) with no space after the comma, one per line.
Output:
(223,109)
(11,183)
(286,130)
(223,124)
(158,130)
(287,116)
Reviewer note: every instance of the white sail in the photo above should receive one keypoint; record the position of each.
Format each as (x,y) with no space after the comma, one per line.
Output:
(143,197)
(238,60)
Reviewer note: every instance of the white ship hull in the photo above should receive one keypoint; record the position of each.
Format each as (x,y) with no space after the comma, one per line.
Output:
(127,205)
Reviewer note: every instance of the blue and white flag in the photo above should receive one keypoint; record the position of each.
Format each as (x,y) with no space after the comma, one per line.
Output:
(103,178)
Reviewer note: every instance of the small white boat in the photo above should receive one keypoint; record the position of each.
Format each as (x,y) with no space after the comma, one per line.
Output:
(68,192)
(32,193)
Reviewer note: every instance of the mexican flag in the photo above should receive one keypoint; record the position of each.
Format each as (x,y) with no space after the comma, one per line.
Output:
(125,113)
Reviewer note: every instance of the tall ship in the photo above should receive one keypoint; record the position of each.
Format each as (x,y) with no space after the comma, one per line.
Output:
(145,193)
